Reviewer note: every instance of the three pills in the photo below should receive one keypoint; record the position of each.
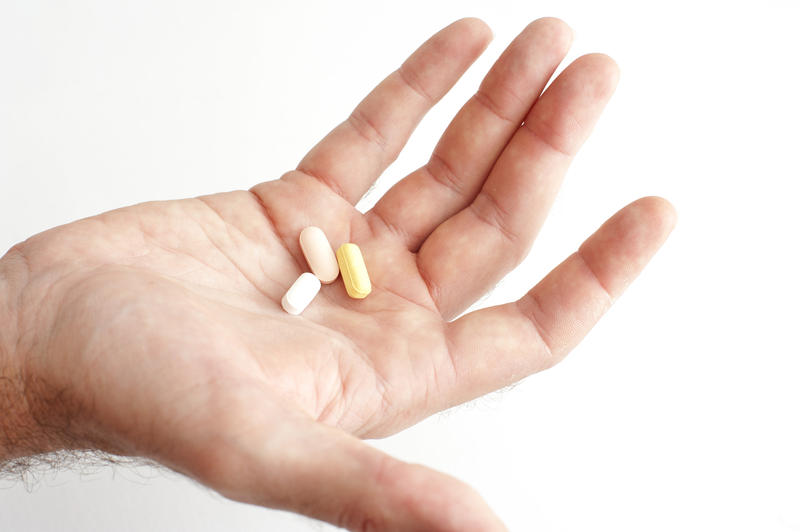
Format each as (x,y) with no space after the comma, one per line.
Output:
(326,265)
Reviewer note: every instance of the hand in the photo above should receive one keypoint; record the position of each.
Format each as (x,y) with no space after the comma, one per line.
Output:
(156,330)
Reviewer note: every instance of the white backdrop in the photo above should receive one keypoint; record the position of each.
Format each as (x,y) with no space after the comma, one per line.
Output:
(678,412)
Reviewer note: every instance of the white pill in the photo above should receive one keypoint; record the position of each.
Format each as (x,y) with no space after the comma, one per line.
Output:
(300,294)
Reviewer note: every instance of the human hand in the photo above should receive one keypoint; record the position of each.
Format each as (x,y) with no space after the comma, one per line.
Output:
(156,330)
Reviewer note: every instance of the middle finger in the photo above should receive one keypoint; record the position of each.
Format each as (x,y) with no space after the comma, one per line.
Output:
(473,141)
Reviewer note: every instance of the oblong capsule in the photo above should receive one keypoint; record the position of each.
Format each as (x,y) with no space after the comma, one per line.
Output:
(319,254)
(354,271)
(300,294)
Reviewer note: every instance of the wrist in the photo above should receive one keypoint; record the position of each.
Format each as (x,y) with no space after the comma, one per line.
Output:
(20,434)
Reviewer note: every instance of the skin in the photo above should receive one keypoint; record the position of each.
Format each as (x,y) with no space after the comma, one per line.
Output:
(156,330)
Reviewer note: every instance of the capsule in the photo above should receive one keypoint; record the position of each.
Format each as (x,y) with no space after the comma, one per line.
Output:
(300,294)
(319,254)
(354,271)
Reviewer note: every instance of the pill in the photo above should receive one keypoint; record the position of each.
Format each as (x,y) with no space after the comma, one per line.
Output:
(300,294)
(354,271)
(319,254)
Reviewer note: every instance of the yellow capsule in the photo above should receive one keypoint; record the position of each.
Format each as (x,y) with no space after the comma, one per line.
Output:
(354,271)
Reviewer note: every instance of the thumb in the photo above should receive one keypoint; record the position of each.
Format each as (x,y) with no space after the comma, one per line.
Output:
(306,467)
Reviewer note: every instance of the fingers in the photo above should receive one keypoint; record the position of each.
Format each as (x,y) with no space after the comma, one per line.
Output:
(356,152)
(477,135)
(467,254)
(497,346)
(322,472)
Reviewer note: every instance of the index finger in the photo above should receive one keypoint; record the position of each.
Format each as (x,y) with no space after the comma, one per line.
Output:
(357,151)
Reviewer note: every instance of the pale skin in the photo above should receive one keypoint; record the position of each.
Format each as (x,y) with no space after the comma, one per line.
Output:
(156,330)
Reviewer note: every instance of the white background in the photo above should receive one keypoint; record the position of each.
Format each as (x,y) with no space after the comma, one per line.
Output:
(678,412)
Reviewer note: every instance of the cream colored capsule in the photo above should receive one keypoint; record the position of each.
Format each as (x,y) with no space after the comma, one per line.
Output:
(354,271)
(319,254)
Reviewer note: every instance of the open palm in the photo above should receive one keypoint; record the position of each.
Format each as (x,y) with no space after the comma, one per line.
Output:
(167,336)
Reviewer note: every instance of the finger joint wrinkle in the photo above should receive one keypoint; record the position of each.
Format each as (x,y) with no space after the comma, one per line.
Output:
(579,255)
(430,284)
(268,215)
(532,314)
(393,228)
(441,172)
(451,354)
(325,180)
(487,102)
(546,138)
(367,129)
(498,220)
(412,81)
